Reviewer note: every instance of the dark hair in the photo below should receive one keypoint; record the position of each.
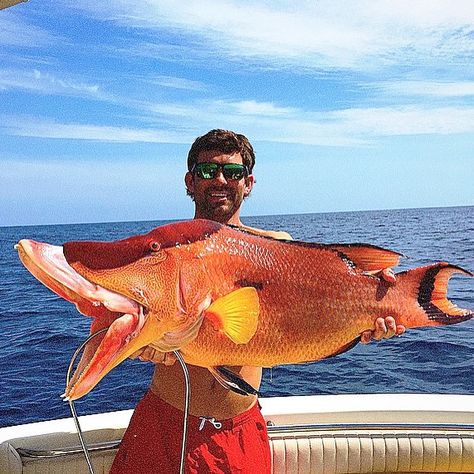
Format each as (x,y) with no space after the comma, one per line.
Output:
(224,141)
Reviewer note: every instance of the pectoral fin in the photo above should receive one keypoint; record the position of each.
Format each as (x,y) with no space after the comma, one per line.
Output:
(236,314)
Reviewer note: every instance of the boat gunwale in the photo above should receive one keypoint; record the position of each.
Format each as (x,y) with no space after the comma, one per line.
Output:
(350,429)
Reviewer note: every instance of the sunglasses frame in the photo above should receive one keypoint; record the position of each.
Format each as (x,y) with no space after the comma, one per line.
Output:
(220,167)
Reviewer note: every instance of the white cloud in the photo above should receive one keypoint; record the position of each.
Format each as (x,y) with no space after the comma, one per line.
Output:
(210,109)
(389,121)
(323,34)
(28,127)
(252,107)
(33,80)
(428,88)
(176,83)
(347,127)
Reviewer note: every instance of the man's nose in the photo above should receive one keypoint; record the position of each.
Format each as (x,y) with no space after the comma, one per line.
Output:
(220,177)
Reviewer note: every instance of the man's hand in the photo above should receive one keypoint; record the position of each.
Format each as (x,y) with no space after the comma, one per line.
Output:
(149,354)
(385,328)
(386,274)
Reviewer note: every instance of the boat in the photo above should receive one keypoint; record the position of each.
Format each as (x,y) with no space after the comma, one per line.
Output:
(10,3)
(361,433)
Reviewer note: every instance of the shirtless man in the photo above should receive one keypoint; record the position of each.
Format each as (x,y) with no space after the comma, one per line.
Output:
(226,431)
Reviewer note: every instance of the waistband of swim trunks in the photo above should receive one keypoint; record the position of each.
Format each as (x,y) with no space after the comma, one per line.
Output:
(176,415)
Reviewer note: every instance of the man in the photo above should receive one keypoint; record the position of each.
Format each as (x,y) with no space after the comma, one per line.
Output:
(226,431)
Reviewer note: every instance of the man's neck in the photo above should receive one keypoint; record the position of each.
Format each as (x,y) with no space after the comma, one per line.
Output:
(233,220)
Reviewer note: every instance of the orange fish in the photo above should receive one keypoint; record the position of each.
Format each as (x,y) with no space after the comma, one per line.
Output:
(223,296)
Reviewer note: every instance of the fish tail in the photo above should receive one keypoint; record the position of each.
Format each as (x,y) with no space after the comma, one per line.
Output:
(430,286)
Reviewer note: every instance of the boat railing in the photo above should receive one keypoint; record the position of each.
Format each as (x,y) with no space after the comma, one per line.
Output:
(345,429)
(54,453)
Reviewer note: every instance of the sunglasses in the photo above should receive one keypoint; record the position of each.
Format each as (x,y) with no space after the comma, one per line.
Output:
(234,171)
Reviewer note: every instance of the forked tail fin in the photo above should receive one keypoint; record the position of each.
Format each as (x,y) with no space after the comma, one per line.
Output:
(430,285)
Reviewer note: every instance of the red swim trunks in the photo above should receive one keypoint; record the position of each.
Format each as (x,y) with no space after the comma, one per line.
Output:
(152,442)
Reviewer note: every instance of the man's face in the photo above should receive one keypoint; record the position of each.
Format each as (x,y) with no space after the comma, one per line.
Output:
(218,199)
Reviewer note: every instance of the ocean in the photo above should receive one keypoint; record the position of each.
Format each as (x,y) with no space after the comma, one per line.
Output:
(40,331)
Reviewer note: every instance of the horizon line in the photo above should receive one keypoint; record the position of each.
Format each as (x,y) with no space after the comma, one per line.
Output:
(243,216)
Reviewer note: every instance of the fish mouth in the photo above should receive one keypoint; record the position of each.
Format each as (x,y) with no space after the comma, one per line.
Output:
(124,318)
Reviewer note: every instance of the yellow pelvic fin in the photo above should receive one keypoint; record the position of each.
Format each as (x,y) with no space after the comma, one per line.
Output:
(236,314)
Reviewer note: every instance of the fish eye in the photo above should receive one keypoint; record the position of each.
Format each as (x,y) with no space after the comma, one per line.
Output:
(155,246)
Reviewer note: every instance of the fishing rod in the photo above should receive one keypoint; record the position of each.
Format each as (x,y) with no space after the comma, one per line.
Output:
(187,394)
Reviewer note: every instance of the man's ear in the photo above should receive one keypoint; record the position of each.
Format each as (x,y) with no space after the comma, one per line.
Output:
(249,182)
(189,181)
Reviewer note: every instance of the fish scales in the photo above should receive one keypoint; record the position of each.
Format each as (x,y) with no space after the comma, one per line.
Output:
(293,322)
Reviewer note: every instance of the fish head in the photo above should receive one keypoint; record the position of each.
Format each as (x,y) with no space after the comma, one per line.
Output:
(138,288)
(138,268)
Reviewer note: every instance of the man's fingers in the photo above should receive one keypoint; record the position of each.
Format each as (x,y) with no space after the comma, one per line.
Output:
(169,359)
(400,329)
(388,275)
(149,354)
(385,328)
(366,337)
(136,354)
(391,327)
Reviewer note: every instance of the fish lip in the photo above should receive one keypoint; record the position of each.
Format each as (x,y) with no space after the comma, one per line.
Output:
(47,262)
(82,377)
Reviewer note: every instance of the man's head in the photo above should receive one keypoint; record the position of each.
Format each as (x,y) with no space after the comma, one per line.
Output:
(218,191)
(224,141)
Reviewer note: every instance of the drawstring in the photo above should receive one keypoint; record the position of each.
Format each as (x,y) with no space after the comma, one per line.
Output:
(217,424)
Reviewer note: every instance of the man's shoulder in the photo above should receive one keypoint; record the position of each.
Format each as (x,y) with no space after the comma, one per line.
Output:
(278,234)
(274,234)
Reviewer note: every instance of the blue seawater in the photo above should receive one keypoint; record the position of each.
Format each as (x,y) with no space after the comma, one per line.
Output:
(40,331)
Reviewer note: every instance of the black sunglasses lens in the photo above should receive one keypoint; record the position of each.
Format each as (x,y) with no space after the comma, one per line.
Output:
(233,171)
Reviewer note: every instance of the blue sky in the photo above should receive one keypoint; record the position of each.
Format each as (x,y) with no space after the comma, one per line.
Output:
(350,105)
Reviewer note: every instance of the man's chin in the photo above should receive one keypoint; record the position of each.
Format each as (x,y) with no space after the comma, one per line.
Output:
(219,213)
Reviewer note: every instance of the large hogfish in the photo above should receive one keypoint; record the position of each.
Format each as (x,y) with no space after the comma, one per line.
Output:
(223,296)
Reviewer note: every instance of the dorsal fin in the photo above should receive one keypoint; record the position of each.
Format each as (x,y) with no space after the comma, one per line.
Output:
(369,257)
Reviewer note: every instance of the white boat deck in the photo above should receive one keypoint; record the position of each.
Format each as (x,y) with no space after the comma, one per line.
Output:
(318,434)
